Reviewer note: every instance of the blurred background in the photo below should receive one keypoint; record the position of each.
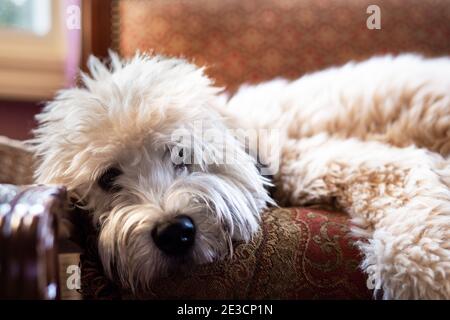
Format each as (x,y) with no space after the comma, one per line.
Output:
(43,43)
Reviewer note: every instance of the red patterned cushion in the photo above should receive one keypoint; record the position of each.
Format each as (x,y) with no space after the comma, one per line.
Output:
(299,254)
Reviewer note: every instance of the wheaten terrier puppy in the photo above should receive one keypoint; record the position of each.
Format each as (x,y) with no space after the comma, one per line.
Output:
(173,171)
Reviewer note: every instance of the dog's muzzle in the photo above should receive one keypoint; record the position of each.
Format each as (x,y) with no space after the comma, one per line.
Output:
(176,236)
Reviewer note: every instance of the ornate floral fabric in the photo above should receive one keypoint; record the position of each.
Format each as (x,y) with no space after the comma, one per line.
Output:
(255,40)
(298,254)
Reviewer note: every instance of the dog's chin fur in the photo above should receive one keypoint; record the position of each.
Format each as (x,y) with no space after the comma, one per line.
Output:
(124,117)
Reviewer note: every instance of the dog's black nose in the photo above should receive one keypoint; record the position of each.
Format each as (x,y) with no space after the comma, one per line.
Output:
(176,236)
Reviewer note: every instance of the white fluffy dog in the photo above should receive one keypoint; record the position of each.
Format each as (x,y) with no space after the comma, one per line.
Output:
(141,146)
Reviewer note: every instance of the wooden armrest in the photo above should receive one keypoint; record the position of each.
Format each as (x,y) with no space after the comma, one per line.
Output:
(28,241)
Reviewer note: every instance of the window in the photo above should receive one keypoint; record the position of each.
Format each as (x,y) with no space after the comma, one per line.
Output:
(33,48)
(26,15)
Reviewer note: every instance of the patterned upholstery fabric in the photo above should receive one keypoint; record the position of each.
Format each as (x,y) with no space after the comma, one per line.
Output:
(299,254)
(254,40)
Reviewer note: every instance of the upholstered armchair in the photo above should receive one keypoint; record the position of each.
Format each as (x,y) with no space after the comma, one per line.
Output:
(300,253)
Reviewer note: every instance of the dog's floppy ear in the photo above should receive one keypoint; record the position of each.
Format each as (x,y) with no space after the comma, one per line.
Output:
(239,125)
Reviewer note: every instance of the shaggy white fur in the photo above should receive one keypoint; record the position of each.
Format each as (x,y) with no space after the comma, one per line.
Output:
(371,137)
(120,128)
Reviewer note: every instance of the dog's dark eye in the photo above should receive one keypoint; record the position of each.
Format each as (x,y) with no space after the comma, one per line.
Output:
(107,180)
(180,161)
